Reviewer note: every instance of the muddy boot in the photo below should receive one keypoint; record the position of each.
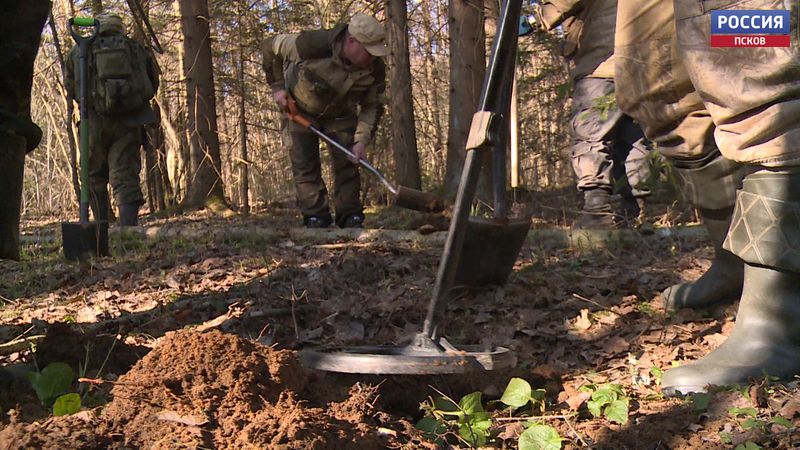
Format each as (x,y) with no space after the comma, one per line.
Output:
(129,214)
(11,166)
(721,283)
(765,233)
(596,213)
(710,185)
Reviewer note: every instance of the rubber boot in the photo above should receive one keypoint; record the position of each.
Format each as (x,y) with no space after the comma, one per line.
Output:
(128,214)
(596,213)
(12,166)
(710,185)
(721,283)
(765,233)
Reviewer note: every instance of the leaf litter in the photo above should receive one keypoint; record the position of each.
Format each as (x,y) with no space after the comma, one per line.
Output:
(574,317)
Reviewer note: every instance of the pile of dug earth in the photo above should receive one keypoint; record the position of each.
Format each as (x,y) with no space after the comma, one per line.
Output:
(217,390)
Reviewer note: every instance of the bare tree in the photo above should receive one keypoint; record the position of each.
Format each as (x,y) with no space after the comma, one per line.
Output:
(467,68)
(244,186)
(404,136)
(205,186)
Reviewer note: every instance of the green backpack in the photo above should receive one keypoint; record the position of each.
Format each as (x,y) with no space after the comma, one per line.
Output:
(120,84)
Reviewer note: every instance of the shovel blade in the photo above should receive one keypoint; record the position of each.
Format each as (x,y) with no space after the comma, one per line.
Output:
(417,200)
(490,250)
(84,240)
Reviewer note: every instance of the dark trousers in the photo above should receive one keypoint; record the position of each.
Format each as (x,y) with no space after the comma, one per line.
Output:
(312,194)
(606,144)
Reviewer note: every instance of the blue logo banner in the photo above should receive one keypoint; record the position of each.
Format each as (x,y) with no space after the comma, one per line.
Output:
(750,22)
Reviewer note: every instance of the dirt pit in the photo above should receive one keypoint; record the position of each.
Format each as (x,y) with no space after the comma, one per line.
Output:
(217,390)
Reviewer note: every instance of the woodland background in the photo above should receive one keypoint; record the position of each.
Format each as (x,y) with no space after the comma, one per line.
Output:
(219,131)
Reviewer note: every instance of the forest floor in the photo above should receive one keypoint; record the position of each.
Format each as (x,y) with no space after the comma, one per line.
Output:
(190,340)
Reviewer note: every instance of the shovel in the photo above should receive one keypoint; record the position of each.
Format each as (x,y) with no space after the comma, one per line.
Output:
(403,197)
(84,239)
(491,245)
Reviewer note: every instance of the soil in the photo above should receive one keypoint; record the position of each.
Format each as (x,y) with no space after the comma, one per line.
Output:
(214,390)
(192,344)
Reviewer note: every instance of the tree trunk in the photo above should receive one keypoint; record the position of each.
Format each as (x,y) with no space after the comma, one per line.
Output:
(467,68)
(244,182)
(404,136)
(205,186)
(73,147)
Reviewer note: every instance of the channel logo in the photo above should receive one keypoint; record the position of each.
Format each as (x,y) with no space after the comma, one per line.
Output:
(750,28)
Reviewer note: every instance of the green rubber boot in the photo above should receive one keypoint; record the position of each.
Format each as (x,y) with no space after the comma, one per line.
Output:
(710,185)
(765,233)
(721,283)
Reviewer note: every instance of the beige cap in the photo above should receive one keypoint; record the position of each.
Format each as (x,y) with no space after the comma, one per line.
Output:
(110,22)
(370,33)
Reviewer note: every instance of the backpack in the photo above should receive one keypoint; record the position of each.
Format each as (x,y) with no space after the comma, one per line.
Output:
(120,83)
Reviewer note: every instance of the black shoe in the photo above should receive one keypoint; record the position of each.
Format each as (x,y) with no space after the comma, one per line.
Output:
(317,221)
(353,221)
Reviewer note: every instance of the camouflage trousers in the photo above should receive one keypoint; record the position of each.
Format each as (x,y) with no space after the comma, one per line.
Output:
(691,98)
(303,147)
(114,158)
(606,144)
(19,43)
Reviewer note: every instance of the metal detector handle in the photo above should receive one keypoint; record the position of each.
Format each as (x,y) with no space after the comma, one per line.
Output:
(503,54)
(84,45)
(501,147)
(296,117)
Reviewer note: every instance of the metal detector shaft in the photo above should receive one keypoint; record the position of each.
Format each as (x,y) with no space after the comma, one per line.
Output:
(503,54)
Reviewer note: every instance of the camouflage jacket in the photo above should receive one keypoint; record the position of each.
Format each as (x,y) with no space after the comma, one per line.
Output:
(325,87)
(589,34)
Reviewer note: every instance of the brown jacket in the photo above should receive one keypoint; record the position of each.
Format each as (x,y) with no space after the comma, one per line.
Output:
(589,34)
(324,86)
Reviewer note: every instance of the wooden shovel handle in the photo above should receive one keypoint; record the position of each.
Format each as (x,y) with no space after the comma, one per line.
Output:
(294,114)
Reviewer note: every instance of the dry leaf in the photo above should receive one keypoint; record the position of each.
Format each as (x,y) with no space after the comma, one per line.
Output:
(511,431)
(715,340)
(190,420)
(615,345)
(582,322)
(790,409)
(575,401)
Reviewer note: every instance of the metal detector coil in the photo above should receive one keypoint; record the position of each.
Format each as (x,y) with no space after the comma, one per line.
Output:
(410,360)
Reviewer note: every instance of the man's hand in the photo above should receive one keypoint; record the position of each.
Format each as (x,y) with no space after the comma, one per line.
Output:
(281,97)
(360,151)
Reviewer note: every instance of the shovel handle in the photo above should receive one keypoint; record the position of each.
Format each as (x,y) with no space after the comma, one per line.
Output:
(83,22)
(294,114)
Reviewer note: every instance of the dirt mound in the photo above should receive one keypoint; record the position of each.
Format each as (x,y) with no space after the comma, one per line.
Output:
(201,390)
